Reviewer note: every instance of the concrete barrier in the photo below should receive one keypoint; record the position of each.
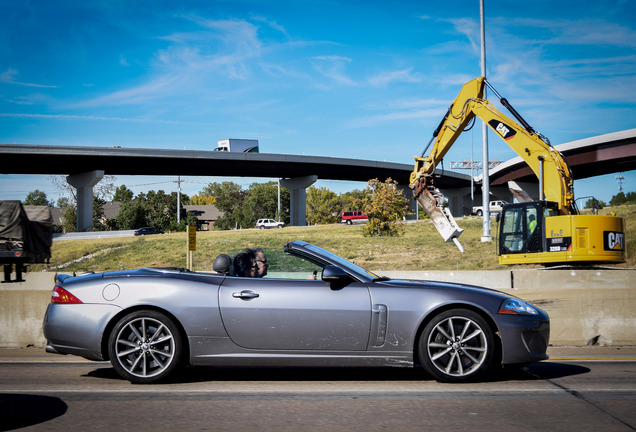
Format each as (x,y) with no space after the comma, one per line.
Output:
(585,306)
(22,308)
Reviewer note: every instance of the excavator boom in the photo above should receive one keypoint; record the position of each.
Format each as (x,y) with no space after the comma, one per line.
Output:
(556,183)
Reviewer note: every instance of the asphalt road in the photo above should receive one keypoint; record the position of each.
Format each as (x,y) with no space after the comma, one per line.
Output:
(590,391)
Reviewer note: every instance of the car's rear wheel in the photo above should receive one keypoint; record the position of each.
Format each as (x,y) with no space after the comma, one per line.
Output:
(145,346)
(457,345)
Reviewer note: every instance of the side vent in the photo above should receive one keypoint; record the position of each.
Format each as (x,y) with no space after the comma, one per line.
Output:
(582,238)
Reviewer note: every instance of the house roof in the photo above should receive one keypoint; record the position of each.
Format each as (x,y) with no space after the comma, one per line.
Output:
(111,209)
(204,212)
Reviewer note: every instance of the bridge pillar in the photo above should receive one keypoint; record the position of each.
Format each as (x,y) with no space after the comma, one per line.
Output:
(408,194)
(531,188)
(298,198)
(497,192)
(84,183)
(459,202)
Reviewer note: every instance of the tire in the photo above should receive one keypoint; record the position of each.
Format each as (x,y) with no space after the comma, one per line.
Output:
(480,213)
(349,222)
(262,227)
(145,347)
(457,346)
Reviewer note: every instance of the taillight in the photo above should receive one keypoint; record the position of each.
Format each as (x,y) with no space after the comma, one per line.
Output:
(60,295)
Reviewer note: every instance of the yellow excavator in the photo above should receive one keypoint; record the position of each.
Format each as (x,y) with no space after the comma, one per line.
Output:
(549,231)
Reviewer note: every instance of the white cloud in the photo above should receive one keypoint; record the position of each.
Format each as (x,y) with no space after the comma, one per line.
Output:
(8,77)
(469,28)
(385,78)
(334,68)
(573,32)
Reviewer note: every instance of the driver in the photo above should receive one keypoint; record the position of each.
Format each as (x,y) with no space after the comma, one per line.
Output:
(244,265)
(251,263)
(261,262)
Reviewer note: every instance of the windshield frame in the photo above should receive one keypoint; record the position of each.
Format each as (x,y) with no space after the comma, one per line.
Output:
(313,252)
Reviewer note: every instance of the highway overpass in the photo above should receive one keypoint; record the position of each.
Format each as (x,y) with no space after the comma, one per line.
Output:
(589,157)
(84,166)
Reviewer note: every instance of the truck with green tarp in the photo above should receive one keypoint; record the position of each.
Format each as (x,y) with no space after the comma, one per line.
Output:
(26,236)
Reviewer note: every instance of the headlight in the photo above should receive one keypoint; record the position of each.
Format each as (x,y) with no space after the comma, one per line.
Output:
(514,306)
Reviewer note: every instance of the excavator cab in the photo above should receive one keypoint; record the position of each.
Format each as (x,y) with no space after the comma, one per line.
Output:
(522,227)
(535,232)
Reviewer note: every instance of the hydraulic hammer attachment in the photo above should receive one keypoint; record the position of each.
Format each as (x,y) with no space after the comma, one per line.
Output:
(432,201)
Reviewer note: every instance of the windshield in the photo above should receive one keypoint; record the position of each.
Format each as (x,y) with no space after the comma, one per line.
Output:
(341,262)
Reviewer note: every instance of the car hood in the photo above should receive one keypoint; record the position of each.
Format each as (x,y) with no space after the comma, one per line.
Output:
(451,286)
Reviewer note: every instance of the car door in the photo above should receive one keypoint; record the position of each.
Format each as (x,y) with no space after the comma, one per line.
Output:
(291,314)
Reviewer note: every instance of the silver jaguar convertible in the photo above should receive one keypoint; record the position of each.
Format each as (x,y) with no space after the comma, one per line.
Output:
(312,308)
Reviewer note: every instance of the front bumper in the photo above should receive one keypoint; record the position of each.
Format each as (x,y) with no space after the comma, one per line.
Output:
(525,339)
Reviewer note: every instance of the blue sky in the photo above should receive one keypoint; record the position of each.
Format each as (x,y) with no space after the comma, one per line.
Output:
(358,79)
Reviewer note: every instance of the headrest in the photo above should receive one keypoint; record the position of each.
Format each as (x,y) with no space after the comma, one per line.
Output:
(222,264)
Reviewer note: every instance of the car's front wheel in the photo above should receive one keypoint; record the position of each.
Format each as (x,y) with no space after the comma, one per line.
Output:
(145,346)
(456,346)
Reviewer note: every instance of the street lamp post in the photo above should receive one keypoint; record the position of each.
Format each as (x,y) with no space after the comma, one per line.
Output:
(485,183)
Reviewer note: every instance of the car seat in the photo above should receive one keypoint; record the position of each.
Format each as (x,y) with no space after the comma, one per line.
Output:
(223,265)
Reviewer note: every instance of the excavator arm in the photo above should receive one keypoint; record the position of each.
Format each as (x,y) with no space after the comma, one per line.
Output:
(555,178)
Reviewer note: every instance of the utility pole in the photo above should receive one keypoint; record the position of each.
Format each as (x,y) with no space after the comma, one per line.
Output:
(278,212)
(619,180)
(485,183)
(178,200)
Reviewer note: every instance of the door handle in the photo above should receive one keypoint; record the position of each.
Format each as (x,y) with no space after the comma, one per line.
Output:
(246,295)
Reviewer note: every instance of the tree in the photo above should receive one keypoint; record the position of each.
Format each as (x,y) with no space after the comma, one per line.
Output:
(242,208)
(98,214)
(622,198)
(595,204)
(123,194)
(37,198)
(323,206)
(155,209)
(69,219)
(202,200)
(386,207)
(351,200)
(162,209)
(262,202)
(229,199)
(132,214)
(224,193)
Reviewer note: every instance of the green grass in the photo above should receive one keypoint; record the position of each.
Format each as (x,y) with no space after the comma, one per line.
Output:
(420,248)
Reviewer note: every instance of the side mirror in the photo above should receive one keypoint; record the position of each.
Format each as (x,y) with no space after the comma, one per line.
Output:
(335,276)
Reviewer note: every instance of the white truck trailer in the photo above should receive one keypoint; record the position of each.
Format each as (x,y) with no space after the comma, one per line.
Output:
(237,145)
